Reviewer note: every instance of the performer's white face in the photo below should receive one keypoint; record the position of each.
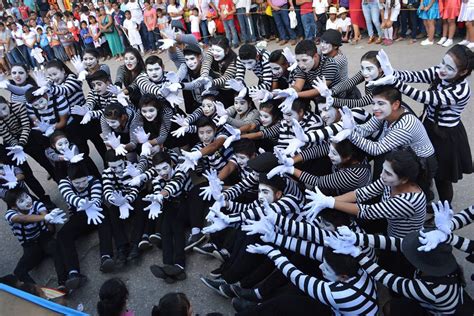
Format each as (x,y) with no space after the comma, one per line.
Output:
(24,202)
(154,72)
(117,167)
(149,113)
(89,61)
(266,118)
(217,52)
(447,68)
(56,75)
(242,160)
(206,134)
(80,184)
(277,70)
(265,193)
(326,48)
(40,104)
(99,87)
(329,114)
(381,108)
(249,64)
(192,61)
(241,106)
(114,124)
(305,62)
(19,75)
(369,70)
(388,176)
(130,61)
(4,111)
(208,107)
(334,155)
(164,170)
(61,144)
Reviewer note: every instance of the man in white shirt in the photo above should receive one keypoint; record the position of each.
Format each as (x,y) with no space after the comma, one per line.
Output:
(320,8)
(247,30)
(17,35)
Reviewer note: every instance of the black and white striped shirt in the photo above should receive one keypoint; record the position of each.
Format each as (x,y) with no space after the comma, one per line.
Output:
(27,231)
(93,192)
(178,184)
(15,129)
(405,212)
(445,102)
(216,160)
(18,92)
(348,85)
(327,67)
(57,106)
(112,182)
(341,61)
(97,103)
(463,218)
(71,89)
(134,120)
(262,70)
(217,70)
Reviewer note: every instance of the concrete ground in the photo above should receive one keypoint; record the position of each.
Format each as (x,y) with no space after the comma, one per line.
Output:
(145,290)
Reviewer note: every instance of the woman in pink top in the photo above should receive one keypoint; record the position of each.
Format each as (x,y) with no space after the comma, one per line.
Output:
(150,18)
(113,295)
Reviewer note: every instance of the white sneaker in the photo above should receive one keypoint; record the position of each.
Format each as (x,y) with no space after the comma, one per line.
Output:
(426,42)
(464,42)
(448,43)
(470,45)
(442,40)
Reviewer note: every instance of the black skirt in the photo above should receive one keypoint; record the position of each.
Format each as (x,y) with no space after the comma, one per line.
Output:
(452,150)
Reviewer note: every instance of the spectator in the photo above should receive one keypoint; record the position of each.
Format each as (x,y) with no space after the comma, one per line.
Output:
(12,54)
(42,39)
(107,27)
(429,13)
(467,15)
(332,22)
(55,44)
(86,36)
(17,34)
(344,25)
(409,17)
(175,11)
(307,18)
(449,11)
(30,41)
(372,18)
(150,19)
(137,16)
(162,19)
(65,37)
(204,7)
(113,296)
(131,29)
(282,20)
(98,40)
(226,11)
(195,23)
(247,31)
(391,10)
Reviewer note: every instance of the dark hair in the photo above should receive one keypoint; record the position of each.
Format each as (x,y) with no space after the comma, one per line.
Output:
(205,121)
(3,100)
(220,41)
(56,134)
(229,57)
(127,11)
(12,195)
(154,60)
(306,47)
(388,92)
(77,170)
(346,149)
(110,156)
(129,76)
(113,296)
(247,51)
(371,56)
(55,63)
(172,304)
(406,164)
(30,97)
(29,79)
(277,57)
(272,106)
(299,105)
(114,111)
(99,75)
(92,17)
(336,218)
(91,51)
(244,146)
(341,264)
(160,157)
(464,59)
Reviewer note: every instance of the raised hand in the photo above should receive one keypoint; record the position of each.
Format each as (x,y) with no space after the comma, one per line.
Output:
(299,131)
(347,116)
(281,170)
(385,64)
(341,246)
(124,210)
(270,214)
(112,140)
(430,240)
(289,95)
(339,137)
(261,96)
(190,160)
(262,227)
(290,58)
(194,156)
(234,135)
(121,150)
(136,181)
(50,130)
(214,189)
(18,154)
(217,225)
(174,99)
(347,235)
(40,78)
(383,81)
(180,132)
(293,147)
(131,170)
(168,32)
(56,216)
(114,89)
(40,91)
(142,137)
(318,202)
(79,67)
(259,249)
(172,77)
(166,43)
(87,118)
(320,85)
(9,176)
(41,126)
(85,204)
(282,158)
(443,216)
(236,85)
(146,149)
(117,198)
(79,110)
(180,120)
(94,214)
(155,207)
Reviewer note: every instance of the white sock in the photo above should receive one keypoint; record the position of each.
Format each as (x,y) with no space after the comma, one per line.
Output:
(385,33)
(73,271)
(390,33)
(195,230)
(257,292)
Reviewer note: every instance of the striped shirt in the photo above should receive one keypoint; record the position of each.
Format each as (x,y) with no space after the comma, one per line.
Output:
(463,218)
(356,296)
(262,70)
(97,103)
(216,70)
(218,159)
(236,120)
(112,182)
(179,183)
(18,92)
(327,67)
(93,192)
(127,134)
(15,129)
(341,61)
(348,85)
(57,106)
(27,231)
(145,85)
(406,131)
(444,103)
(71,88)
(405,212)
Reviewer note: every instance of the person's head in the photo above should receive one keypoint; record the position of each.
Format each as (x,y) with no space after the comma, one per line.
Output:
(195,12)
(342,13)
(25,29)
(58,141)
(113,295)
(99,82)
(150,107)
(163,165)
(39,30)
(13,26)
(79,175)
(147,5)
(270,190)
(2,27)
(159,12)
(49,30)
(83,25)
(39,102)
(338,267)
(269,113)
(134,64)
(115,162)
(387,100)
(173,304)
(243,105)
(19,199)
(90,57)
(332,13)
(330,219)
(248,56)
(331,40)
(307,55)
(128,15)
(278,63)
(20,74)
(193,56)
(208,103)
(345,153)
(92,19)
(328,113)
(102,11)
(154,68)
(206,130)
(115,115)
(219,47)
(115,6)
(244,150)
(457,64)
(57,71)
(401,166)
(370,66)
(298,110)
(4,108)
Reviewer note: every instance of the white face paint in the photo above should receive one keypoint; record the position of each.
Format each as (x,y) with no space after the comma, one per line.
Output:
(328,273)
(117,167)
(388,176)
(381,108)
(89,61)
(369,70)
(149,113)
(305,62)
(334,156)
(288,117)
(217,52)
(40,104)
(326,48)
(4,111)
(277,70)
(24,202)
(206,134)
(19,75)
(164,170)
(208,107)
(192,61)
(130,61)
(56,75)
(329,114)
(80,184)
(265,193)
(241,106)
(447,68)
(249,64)
(99,87)
(324,224)
(154,72)
(114,124)
(242,160)
(61,144)
(266,118)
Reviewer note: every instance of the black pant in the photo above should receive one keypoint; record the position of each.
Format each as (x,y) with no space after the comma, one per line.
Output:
(91,131)
(404,307)
(77,226)
(136,222)
(35,147)
(196,209)
(321,24)
(34,252)
(172,233)
(118,227)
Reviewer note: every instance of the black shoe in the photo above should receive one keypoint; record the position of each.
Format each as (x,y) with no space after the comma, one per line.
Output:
(173,270)
(144,244)
(221,255)
(213,284)
(155,239)
(226,291)
(206,249)
(194,240)
(121,259)
(75,280)
(134,253)
(106,264)
(216,273)
(246,294)
(160,274)
(240,304)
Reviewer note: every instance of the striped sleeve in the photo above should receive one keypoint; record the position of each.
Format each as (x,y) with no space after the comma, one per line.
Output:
(177,184)
(353,103)
(206,64)
(228,74)
(62,105)
(252,117)
(165,127)
(145,85)
(302,229)
(461,243)
(272,132)
(344,180)
(371,126)
(348,84)
(300,246)
(395,207)
(422,76)
(245,184)
(69,87)
(379,242)
(366,193)
(20,110)
(320,134)
(463,218)
(315,152)
(108,184)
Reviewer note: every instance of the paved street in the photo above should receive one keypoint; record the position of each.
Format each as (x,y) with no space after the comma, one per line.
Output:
(145,290)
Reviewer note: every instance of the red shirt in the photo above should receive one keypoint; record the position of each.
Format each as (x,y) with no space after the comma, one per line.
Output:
(24,11)
(306,7)
(226,6)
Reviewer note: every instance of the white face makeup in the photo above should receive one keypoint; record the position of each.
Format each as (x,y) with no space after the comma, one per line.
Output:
(329,114)
(326,48)
(265,193)
(447,68)
(56,75)
(208,107)
(99,87)
(130,61)
(149,112)
(80,184)
(61,144)
(4,111)
(369,70)
(154,72)
(206,134)
(388,176)
(381,108)
(288,117)
(277,70)
(89,61)
(241,106)
(114,124)
(164,170)
(217,52)
(305,62)
(24,202)
(242,160)
(266,118)
(191,61)
(249,64)
(336,159)
(328,273)
(19,75)
(41,104)
(117,167)
(324,224)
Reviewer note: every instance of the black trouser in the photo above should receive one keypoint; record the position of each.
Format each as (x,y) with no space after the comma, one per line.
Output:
(172,233)
(34,252)
(77,226)
(403,306)
(37,143)
(196,208)
(118,227)
(91,131)
(321,24)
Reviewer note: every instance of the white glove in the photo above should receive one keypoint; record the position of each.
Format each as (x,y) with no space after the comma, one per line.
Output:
(82,75)
(339,137)
(146,149)
(69,156)
(154,209)
(166,43)
(114,89)
(293,147)
(190,160)
(214,189)
(194,156)
(215,210)
(299,131)
(174,99)
(282,158)
(320,85)
(385,64)
(186,165)
(318,202)
(290,58)
(142,137)
(289,94)
(17,153)
(85,204)
(281,170)
(4,84)
(347,116)
(262,227)
(117,198)
(443,216)
(9,176)
(94,215)
(56,216)
(174,87)
(221,120)
(180,132)
(41,126)
(121,150)
(259,249)
(78,64)
(261,96)
(136,181)
(40,91)
(125,210)
(49,131)
(204,82)
(341,246)
(87,118)
(79,110)
(40,78)
(112,140)
(180,120)
(122,99)
(234,135)
(236,85)
(220,109)
(347,235)
(386,80)
(270,214)
(217,225)
(168,32)
(131,170)
(430,240)
(173,78)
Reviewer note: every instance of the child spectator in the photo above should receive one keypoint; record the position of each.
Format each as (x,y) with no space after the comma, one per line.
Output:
(320,9)
(429,13)
(162,19)
(331,23)
(150,20)
(195,21)
(131,29)
(467,15)
(211,24)
(42,39)
(226,13)
(97,38)
(344,25)
(175,11)
(86,36)
(391,10)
